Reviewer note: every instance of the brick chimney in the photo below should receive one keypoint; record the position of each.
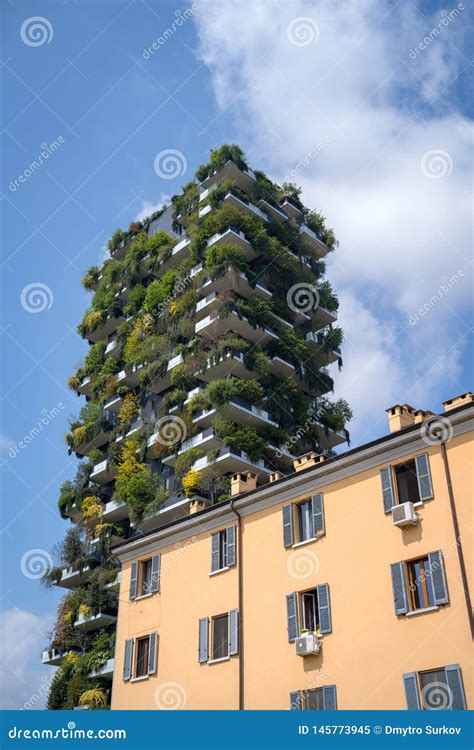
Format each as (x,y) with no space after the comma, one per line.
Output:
(307,460)
(400,416)
(196,505)
(461,400)
(275,476)
(421,415)
(240,483)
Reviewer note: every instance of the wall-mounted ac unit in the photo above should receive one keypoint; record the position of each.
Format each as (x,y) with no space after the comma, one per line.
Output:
(308,644)
(404,515)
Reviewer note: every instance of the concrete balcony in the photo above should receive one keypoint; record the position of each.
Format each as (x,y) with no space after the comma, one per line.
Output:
(246,207)
(104,329)
(120,252)
(124,294)
(94,622)
(291,209)
(54,657)
(162,383)
(232,280)
(311,240)
(206,440)
(212,327)
(130,376)
(319,318)
(205,211)
(227,364)
(114,511)
(244,178)
(282,367)
(103,472)
(232,461)
(174,508)
(332,355)
(239,412)
(112,349)
(234,237)
(113,404)
(85,387)
(178,254)
(72,578)
(273,212)
(207,305)
(106,670)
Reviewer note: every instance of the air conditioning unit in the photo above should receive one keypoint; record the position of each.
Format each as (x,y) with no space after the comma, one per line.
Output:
(404,515)
(308,644)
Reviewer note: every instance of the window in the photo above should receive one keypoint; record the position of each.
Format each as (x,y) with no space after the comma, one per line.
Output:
(407,482)
(222,549)
(436,689)
(318,699)
(224,633)
(305,521)
(220,636)
(145,575)
(311,608)
(141,665)
(419,584)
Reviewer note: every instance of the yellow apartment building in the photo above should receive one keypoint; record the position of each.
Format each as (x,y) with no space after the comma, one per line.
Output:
(345,584)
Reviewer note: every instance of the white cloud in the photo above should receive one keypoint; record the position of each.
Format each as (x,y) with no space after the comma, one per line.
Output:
(24,682)
(149,207)
(401,234)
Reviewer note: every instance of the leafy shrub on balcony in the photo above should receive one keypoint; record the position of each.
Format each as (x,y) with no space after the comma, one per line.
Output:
(89,423)
(221,257)
(187,201)
(221,391)
(90,278)
(191,482)
(91,320)
(317,223)
(129,409)
(334,414)
(220,157)
(93,698)
(241,438)
(186,460)
(74,382)
(136,300)
(135,483)
(292,192)
(116,240)
(107,371)
(94,358)
(327,298)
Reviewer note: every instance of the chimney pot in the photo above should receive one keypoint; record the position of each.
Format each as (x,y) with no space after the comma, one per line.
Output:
(461,400)
(307,460)
(240,483)
(400,416)
(276,476)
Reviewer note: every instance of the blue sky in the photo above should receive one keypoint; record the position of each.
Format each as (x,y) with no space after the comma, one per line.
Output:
(380,126)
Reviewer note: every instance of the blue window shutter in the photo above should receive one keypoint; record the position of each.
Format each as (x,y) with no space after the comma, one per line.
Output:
(155,573)
(387,489)
(317,507)
(410,682)
(215,562)
(287,511)
(233,632)
(127,659)
(203,640)
(324,608)
(292,616)
(295,700)
(133,580)
(438,577)
(230,545)
(455,684)
(400,598)
(329,698)
(152,653)
(423,476)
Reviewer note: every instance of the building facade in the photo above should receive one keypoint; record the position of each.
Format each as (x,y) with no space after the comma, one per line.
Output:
(211,330)
(343,584)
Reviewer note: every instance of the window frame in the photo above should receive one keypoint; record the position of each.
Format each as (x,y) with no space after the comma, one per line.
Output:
(298,521)
(394,468)
(139,658)
(223,616)
(412,586)
(313,593)
(144,564)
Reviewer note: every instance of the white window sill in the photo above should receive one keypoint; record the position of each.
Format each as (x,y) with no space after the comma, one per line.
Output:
(218,661)
(422,611)
(221,570)
(306,541)
(144,596)
(140,679)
